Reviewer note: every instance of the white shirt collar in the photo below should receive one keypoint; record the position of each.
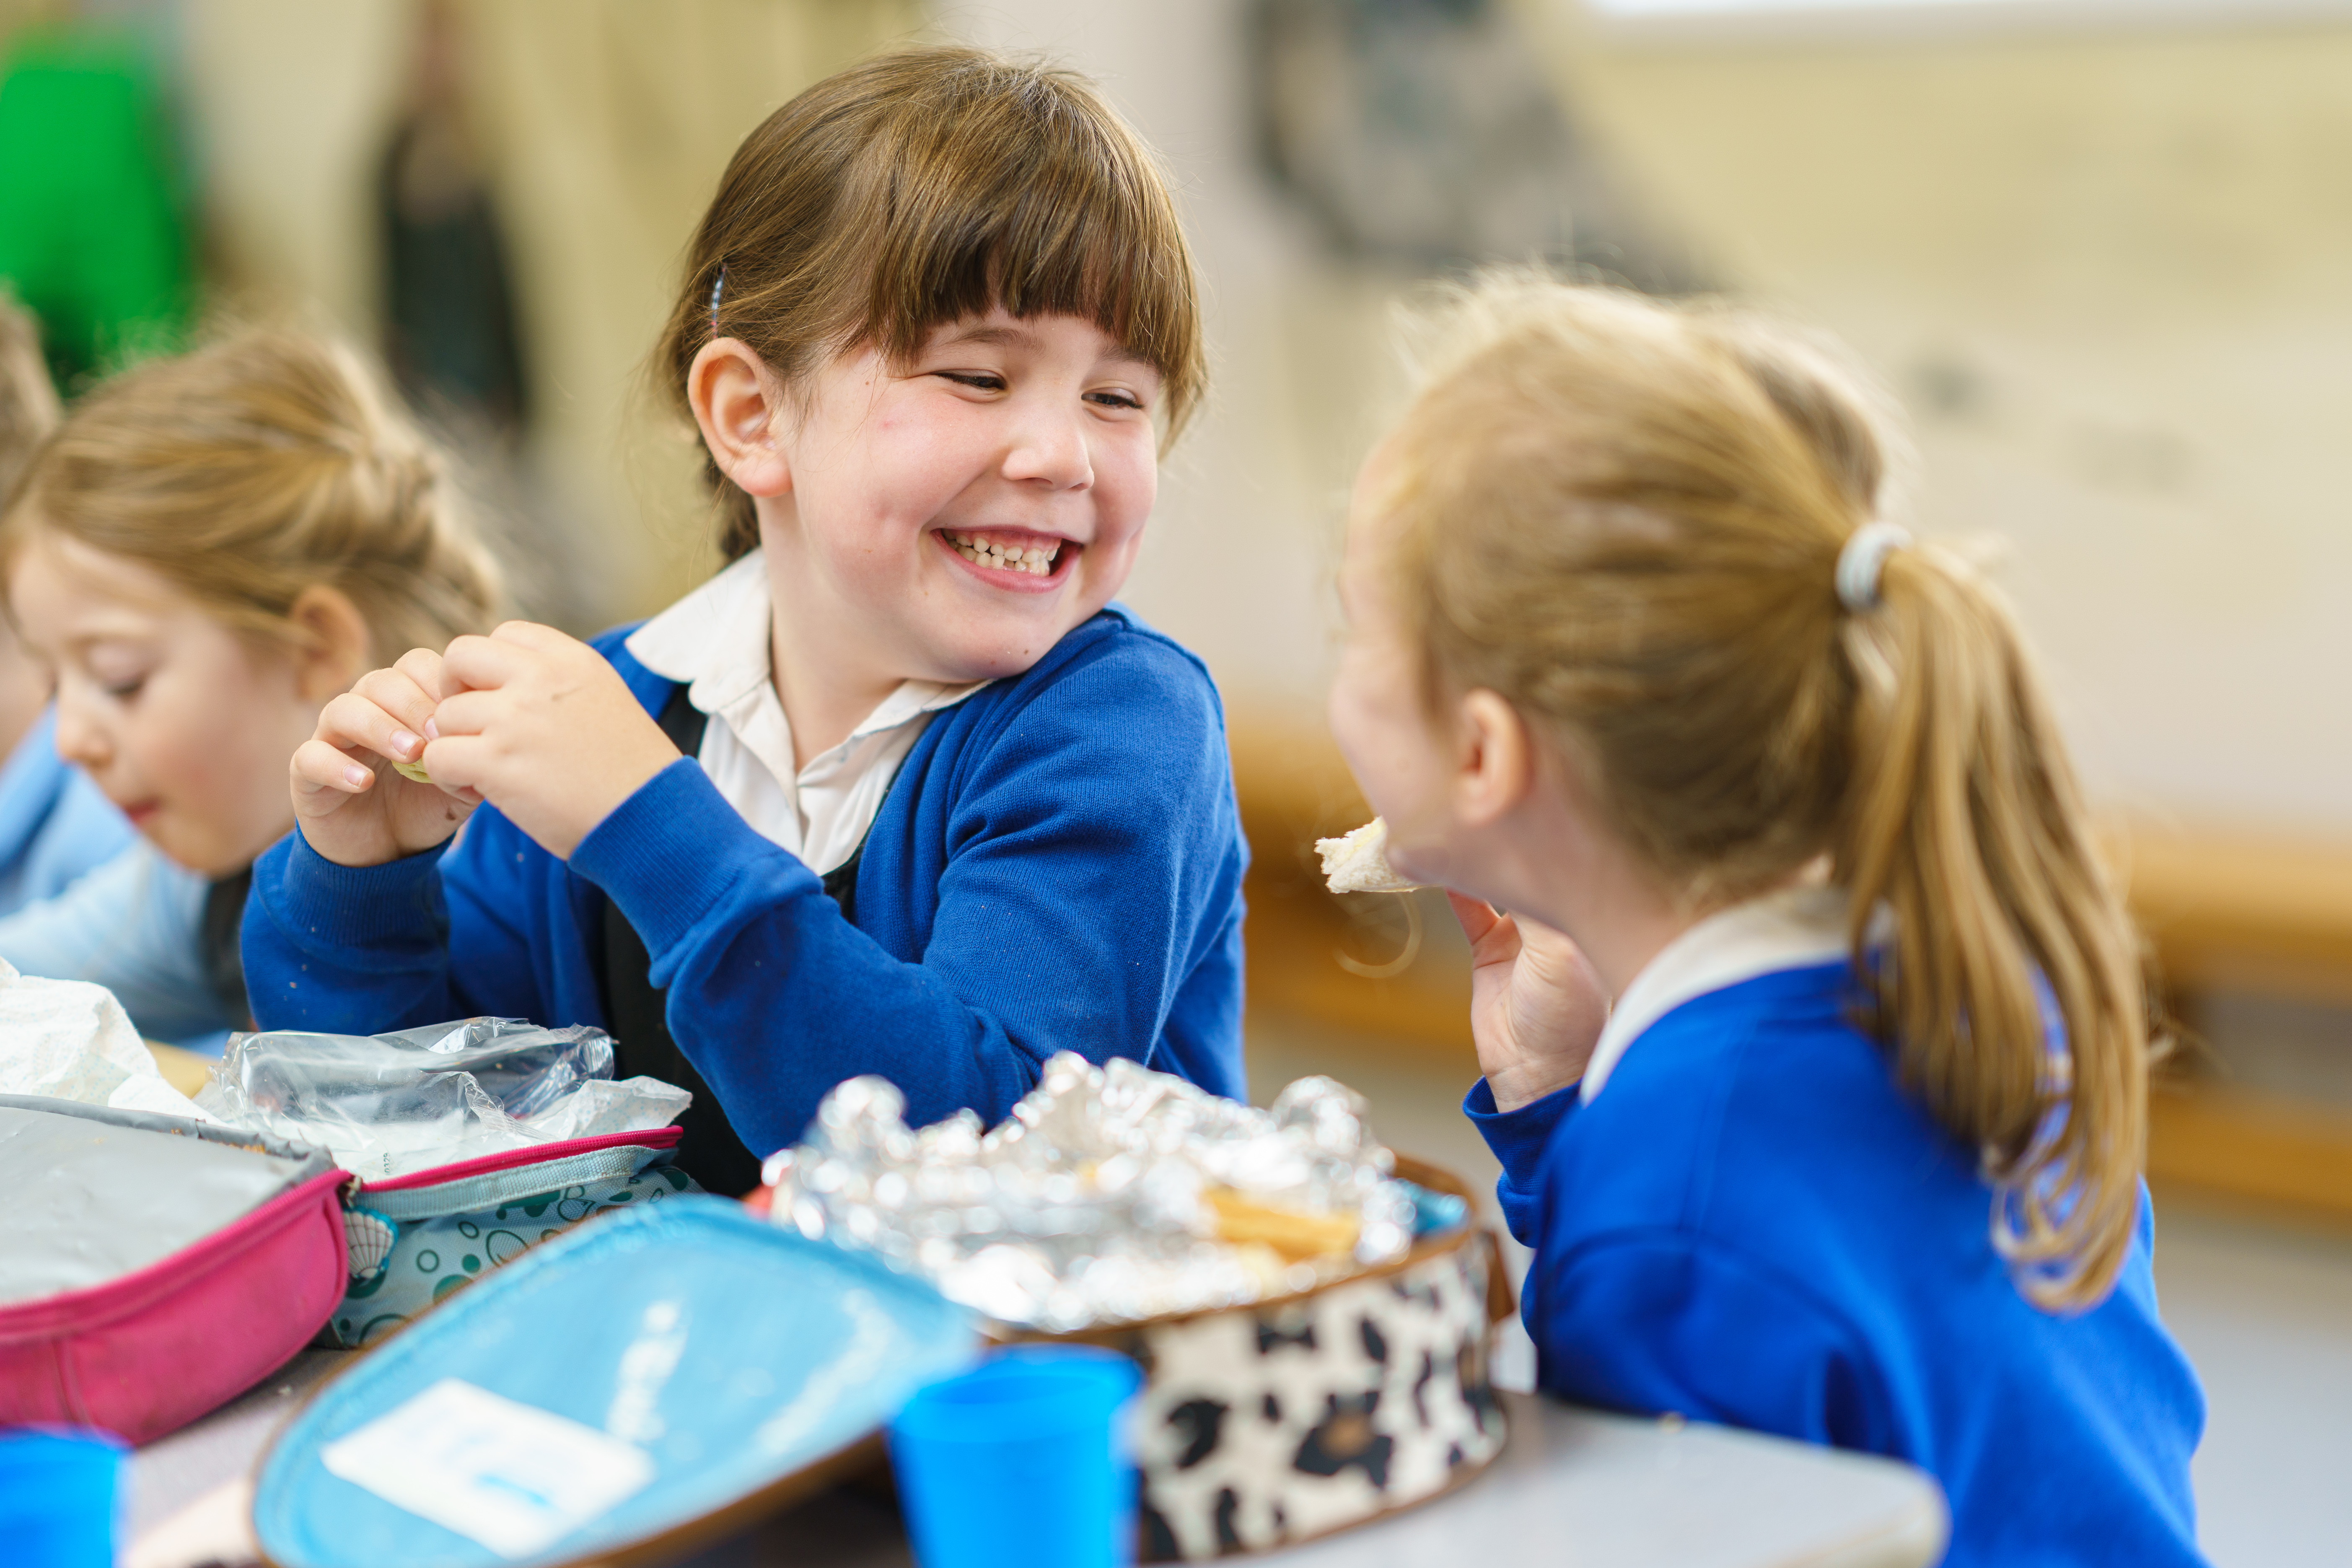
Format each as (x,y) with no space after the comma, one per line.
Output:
(1796,928)
(716,642)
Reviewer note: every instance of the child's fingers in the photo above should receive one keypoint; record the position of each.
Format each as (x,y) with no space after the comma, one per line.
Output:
(1476,915)
(356,720)
(457,763)
(1550,955)
(1493,936)
(396,693)
(422,666)
(323,776)
(533,636)
(481,664)
(467,712)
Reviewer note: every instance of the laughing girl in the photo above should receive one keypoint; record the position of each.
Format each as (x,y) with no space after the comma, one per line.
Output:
(899,791)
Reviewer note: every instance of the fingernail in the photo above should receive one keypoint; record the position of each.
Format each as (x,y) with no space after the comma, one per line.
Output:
(432,731)
(356,775)
(407,744)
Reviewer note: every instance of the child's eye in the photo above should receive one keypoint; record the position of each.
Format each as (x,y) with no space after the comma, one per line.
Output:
(123,690)
(1117,400)
(979,380)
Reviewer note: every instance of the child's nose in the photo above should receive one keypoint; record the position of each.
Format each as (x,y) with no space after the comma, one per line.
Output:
(80,739)
(1051,450)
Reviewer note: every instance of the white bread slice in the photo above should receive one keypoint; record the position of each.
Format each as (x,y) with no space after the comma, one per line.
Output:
(1358,862)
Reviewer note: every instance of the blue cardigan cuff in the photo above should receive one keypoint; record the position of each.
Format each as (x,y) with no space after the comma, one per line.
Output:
(1518,1139)
(669,853)
(321,904)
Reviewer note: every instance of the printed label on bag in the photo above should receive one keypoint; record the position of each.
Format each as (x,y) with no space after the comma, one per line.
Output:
(512,1477)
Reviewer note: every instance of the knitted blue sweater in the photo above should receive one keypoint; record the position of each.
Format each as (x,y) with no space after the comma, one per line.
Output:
(1057,866)
(1753,1224)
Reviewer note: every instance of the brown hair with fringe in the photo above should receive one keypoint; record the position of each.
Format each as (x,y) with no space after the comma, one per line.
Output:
(1625,519)
(918,188)
(248,471)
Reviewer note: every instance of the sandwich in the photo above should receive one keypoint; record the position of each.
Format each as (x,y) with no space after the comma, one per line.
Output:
(1357,862)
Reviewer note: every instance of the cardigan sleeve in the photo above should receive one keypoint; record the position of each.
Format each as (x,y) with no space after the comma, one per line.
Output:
(362,949)
(1658,1321)
(1092,856)
(1518,1139)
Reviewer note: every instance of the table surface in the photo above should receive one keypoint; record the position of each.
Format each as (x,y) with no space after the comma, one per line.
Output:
(1573,1487)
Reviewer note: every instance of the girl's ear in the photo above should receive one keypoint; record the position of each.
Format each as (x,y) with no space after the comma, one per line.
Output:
(737,405)
(1495,763)
(334,648)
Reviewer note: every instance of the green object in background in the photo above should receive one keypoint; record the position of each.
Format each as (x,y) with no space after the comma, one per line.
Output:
(90,229)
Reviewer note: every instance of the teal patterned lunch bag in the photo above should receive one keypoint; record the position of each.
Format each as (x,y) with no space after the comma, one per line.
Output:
(414,1239)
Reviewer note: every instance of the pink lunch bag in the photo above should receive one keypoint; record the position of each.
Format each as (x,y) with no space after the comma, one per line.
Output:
(152,1267)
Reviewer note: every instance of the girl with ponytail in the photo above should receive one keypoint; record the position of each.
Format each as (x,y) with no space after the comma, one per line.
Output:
(1816,1041)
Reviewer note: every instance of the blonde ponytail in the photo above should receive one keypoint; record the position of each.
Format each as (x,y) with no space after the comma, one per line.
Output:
(1965,820)
(1626,519)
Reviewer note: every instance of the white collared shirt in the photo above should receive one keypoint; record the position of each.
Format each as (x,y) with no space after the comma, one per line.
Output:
(715,641)
(1796,928)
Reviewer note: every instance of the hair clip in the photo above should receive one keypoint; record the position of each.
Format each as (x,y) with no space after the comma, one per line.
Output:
(1862,559)
(716,285)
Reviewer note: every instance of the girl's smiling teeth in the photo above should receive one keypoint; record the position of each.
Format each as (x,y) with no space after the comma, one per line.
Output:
(1034,553)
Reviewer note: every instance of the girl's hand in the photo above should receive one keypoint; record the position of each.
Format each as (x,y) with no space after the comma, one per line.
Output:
(539,724)
(351,808)
(1536,1006)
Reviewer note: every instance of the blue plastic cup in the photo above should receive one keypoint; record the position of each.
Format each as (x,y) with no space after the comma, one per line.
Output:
(57,1496)
(1022,1462)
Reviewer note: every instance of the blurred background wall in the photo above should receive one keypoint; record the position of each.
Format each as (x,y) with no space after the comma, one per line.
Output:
(590,131)
(2101,262)
(2106,270)
(2104,266)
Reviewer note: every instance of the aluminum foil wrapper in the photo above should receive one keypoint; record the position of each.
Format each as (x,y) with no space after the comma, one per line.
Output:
(1091,1203)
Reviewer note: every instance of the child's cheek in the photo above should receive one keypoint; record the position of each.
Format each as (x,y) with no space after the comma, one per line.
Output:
(1110,570)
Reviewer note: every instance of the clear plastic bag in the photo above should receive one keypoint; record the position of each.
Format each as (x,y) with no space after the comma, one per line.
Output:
(384,1105)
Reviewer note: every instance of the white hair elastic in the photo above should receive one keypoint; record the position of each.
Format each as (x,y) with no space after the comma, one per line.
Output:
(1862,559)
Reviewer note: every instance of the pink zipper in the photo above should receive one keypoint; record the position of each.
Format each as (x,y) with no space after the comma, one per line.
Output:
(528,1154)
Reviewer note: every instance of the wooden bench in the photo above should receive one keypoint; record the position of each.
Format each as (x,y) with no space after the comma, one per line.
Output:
(2223,913)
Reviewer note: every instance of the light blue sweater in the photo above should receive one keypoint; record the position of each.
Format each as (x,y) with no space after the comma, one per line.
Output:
(95,902)
(54,826)
(135,926)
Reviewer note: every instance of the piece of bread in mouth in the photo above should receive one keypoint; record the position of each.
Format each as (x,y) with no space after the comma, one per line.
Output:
(1357,862)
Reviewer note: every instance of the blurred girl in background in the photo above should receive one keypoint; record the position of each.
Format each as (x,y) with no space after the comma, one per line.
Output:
(54,826)
(1815,1044)
(210,548)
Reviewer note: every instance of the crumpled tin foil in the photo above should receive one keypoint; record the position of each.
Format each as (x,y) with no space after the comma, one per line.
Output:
(1098,1200)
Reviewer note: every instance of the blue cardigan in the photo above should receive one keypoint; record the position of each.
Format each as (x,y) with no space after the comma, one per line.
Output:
(1058,865)
(1754,1225)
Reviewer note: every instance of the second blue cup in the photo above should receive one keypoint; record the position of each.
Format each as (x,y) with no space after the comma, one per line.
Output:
(58,1497)
(1025,1459)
